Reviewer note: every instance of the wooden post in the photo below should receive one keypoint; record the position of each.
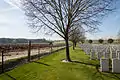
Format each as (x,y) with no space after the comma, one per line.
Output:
(29,50)
(51,45)
(38,53)
(2,61)
(51,48)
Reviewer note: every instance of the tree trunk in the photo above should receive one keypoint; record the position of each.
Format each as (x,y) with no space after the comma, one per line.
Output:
(51,48)
(38,52)
(67,39)
(67,50)
(73,46)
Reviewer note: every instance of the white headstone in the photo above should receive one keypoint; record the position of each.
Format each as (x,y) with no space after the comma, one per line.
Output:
(107,55)
(88,51)
(116,65)
(99,55)
(113,55)
(118,55)
(104,65)
(92,55)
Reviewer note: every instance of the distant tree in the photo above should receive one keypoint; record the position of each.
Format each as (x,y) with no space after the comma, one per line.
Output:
(76,34)
(90,41)
(59,16)
(118,36)
(101,41)
(51,45)
(82,40)
(110,40)
(20,40)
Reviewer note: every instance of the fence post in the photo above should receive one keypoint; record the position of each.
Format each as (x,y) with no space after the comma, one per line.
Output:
(38,53)
(51,45)
(2,61)
(51,48)
(29,50)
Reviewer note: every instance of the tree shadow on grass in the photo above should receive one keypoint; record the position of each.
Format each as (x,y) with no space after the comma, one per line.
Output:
(107,74)
(116,76)
(41,63)
(101,74)
(10,76)
(85,63)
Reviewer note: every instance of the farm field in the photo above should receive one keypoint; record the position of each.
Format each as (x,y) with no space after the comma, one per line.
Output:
(51,68)
(19,54)
(21,50)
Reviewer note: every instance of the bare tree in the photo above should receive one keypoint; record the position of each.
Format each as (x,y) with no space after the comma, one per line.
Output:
(59,16)
(76,35)
(118,37)
(82,40)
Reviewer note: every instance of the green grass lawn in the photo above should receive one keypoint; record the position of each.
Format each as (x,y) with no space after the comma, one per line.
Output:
(51,68)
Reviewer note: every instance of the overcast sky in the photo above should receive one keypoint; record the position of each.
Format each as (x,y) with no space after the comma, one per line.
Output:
(13,24)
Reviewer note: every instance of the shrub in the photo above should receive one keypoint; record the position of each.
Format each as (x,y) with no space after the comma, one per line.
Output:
(82,41)
(90,41)
(110,40)
(101,41)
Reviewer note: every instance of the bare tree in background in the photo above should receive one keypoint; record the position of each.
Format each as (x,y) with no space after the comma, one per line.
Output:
(118,37)
(59,16)
(76,35)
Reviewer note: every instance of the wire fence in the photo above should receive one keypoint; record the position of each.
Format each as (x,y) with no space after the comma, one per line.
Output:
(12,56)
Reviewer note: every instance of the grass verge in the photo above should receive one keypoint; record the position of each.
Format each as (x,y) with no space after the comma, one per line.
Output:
(51,68)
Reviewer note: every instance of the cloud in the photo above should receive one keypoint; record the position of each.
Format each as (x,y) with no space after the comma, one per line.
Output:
(7,9)
(14,3)
(3,24)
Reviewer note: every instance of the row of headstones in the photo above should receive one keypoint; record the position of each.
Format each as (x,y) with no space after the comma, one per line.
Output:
(88,48)
(104,63)
(105,66)
(97,53)
(115,56)
(102,54)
